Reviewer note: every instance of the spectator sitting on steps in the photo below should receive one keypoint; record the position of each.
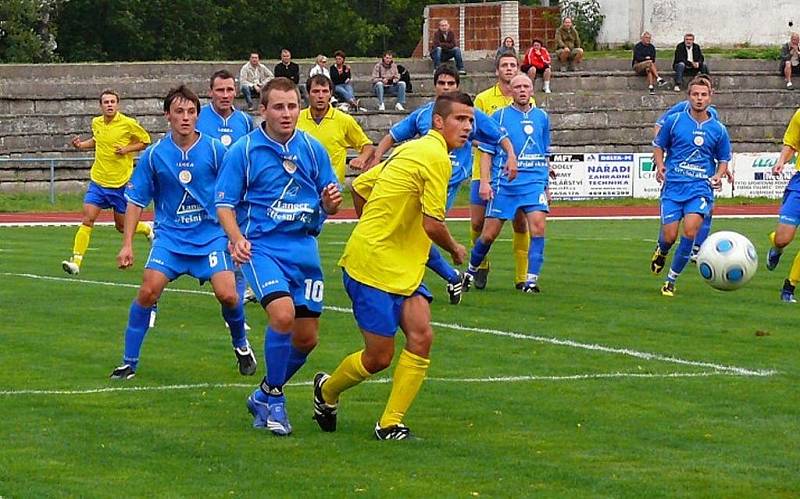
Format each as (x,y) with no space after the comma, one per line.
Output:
(507,46)
(252,77)
(386,78)
(790,59)
(644,62)
(537,60)
(445,47)
(688,60)
(568,45)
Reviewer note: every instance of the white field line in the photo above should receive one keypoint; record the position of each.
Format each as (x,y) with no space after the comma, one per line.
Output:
(353,220)
(740,371)
(491,379)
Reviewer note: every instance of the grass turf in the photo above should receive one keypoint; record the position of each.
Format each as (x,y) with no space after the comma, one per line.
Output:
(649,428)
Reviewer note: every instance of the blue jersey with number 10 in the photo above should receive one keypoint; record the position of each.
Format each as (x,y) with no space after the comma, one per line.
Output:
(530,135)
(226,130)
(275,188)
(419,123)
(181,186)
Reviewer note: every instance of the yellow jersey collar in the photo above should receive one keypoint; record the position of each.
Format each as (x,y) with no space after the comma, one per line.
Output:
(439,137)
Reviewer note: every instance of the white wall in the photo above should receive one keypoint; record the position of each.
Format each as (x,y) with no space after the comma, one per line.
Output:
(714,22)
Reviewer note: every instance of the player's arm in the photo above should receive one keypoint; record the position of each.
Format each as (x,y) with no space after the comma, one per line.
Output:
(722,171)
(133,214)
(438,232)
(658,158)
(237,244)
(81,145)
(386,143)
(484,189)
(786,154)
(364,158)
(511,161)
(331,198)
(135,146)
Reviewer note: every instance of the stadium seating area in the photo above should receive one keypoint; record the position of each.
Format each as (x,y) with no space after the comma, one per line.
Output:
(602,107)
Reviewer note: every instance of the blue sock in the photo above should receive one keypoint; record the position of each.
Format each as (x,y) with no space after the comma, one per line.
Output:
(702,233)
(536,255)
(680,259)
(438,264)
(276,354)
(241,284)
(296,361)
(479,251)
(138,322)
(663,246)
(235,319)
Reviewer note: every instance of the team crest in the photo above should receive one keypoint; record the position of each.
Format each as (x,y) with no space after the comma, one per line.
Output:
(528,129)
(226,140)
(289,166)
(698,140)
(185,176)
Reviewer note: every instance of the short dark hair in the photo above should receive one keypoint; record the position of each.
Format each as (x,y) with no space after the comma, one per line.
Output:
(444,103)
(108,91)
(180,92)
(446,69)
(503,55)
(222,74)
(537,40)
(321,80)
(387,52)
(279,83)
(339,53)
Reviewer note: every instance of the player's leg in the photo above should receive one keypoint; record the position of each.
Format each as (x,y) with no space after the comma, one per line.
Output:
(691,224)
(700,238)
(223,283)
(789,284)
(520,244)
(536,221)
(437,263)
(412,365)
(788,219)
(671,214)
(477,214)
(93,203)
(153,283)
(491,229)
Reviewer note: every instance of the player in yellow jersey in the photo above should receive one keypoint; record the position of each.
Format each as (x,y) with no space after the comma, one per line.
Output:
(115,138)
(384,262)
(338,131)
(789,217)
(489,101)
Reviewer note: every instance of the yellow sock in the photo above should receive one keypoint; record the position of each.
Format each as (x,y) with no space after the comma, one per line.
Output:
(406,382)
(772,238)
(349,373)
(485,263)
(520,244)
(143,228)
(794,272)
(81,244)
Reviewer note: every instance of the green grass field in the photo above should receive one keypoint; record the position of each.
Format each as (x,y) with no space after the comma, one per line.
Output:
(550,395)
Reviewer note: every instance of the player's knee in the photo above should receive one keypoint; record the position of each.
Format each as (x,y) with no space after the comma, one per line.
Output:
(520,226)
(419,340)
(376,360)
(87,221)
(227,297)
(477,225)
(120,226)
(148,296)
(281,319)
(305,343)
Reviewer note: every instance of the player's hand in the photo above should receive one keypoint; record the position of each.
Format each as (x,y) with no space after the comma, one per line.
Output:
(125,257)
(360,164)
(485,191)
(331,199)
(729,176)
(76,142)
(716,182)
(120,151)
(459,254)
(511,168)
(240,251)
(660,173)
(552,174)
(777,169)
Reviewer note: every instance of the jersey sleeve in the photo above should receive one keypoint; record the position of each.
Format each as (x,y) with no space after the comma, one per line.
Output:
(141,186)
(434,188)
(406,129)
(356,138)
(662,140)
(791,137)
(137,132)
(365,182)
(487,129)
(250,123)
(231,177)
(546,133)
(723,150)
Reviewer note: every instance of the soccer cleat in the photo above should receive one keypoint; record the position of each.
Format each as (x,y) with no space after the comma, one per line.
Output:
(250,295)
(246,360)
(519,286)
(324,413)
(773,258)
(278,420)
(466,281)
(658,261)
(123,372)
(394,432)
(531,287)
(259,411)
(787,293)
(454,290)
(481,277)
(668,289)
(70,267)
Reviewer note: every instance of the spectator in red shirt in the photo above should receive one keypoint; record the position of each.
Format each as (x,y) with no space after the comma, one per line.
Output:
(537,60)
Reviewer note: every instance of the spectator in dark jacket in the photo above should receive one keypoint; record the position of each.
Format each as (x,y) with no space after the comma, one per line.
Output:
(341,76)
(291,70)
(790,59)
(445,47)
(688,59)
(644,62)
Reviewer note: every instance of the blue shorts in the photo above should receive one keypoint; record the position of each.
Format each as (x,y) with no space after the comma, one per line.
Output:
(452,194)
(275,271)
(790,209)
(106,197)
(504,206)
(375,310)
(474,196)
(674,211)
(201,267)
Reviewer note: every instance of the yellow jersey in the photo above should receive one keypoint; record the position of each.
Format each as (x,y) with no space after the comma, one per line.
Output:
(337,131)
(489,101)
(791,137)
(389,246)
(110,169)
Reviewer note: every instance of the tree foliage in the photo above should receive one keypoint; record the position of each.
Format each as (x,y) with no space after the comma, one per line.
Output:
(26,34)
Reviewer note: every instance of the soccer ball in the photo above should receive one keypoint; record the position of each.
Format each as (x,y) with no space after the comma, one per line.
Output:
(727,260)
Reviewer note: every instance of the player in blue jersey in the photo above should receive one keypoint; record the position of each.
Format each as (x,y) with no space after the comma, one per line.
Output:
(528,128)
(177,174)
(275,189)
(418,123)
(680,107)
(697,149)
(221,120)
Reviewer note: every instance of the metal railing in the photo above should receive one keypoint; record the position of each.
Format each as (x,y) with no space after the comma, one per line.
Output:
(52,163)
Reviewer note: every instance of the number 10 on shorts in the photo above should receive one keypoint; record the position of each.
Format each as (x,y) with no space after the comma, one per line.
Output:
(314,290)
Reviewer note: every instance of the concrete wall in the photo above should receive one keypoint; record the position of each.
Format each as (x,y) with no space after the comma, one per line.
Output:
(714,22)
